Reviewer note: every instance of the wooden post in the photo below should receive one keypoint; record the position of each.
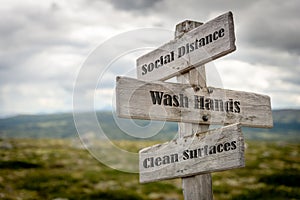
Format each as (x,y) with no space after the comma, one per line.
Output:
(199,186)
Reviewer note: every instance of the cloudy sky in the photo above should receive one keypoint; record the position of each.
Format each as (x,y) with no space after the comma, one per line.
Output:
(47,45)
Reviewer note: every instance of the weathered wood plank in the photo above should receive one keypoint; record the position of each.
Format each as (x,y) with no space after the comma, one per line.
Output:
(205,43)
(184,103)
(211,151)
(198,186)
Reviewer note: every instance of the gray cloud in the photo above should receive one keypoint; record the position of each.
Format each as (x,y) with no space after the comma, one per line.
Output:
(133,5)
(276,27)
(46,43)
(30,32)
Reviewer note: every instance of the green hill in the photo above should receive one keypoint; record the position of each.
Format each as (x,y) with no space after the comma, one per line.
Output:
(63,126)
(286,127)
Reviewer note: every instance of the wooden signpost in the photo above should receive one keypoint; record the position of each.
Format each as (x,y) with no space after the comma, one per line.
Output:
(211,151)
(196,152)
(199,46)
(184,103)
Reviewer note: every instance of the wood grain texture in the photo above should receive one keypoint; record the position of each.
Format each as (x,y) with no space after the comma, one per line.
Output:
(198,186)
(224,150)
(133,100)
(196,56)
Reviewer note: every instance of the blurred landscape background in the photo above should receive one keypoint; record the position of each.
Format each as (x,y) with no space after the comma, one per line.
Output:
(61,126)
(43,158)
(60,57)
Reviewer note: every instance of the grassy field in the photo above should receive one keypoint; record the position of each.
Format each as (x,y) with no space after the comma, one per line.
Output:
(56,169)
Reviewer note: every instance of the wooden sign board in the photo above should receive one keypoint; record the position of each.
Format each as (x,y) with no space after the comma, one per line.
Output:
(205,43)
(183,103)
(216,150)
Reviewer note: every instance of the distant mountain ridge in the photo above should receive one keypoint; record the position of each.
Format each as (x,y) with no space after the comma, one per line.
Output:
(286,127)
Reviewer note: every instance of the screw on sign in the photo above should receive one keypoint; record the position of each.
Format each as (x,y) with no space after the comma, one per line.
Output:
(196,152)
